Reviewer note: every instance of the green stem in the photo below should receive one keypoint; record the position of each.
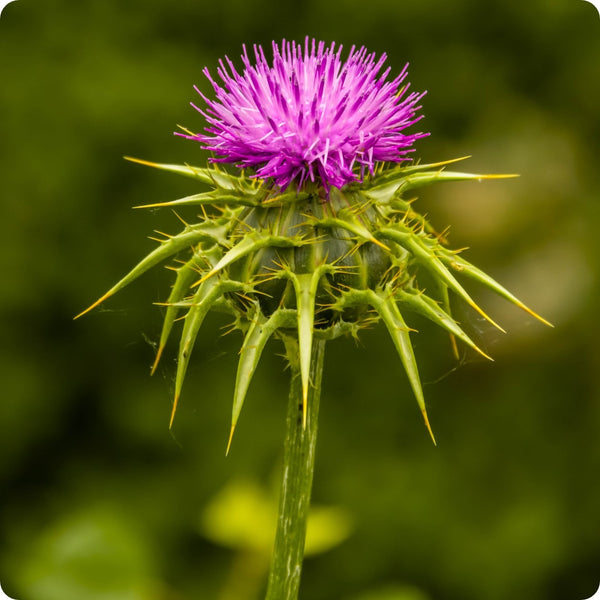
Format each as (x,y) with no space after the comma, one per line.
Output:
(296,485)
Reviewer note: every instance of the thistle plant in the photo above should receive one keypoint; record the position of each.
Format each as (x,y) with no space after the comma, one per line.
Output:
(312,236)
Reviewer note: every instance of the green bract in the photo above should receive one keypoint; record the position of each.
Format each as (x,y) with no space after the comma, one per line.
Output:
(299,265)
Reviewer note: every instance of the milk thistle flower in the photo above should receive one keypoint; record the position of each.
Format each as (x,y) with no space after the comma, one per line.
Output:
(309,116)
(314,238)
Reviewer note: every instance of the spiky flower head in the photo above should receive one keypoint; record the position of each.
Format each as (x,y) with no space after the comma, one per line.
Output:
(309,116)
(342,248)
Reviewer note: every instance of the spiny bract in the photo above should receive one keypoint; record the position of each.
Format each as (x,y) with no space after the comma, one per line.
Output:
(301,264)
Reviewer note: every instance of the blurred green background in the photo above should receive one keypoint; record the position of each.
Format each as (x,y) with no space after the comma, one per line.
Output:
(100,501)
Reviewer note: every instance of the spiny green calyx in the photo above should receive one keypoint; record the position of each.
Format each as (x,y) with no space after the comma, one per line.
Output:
(304,264)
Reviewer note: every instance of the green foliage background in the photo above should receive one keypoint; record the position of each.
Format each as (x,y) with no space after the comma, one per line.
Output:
(100,501)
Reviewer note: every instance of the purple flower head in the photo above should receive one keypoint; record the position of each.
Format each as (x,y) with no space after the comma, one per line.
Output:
(309,115)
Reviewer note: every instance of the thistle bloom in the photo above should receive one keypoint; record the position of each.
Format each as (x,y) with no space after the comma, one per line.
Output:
(309,115)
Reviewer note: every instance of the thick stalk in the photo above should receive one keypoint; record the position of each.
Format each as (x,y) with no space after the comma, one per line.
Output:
(298,467)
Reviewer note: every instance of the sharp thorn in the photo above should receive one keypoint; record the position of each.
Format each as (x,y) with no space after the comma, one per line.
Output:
(204,278)
(156,360)
(454,346)
(424,412)
(229,441)
(89,308)
(535,315)
(487,317)
(380,244)
(141,161)
(173,411)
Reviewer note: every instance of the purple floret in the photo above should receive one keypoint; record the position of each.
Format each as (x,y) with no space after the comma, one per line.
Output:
(309,115)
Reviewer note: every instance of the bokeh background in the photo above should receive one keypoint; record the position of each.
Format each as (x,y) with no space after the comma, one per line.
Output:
(100,501)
